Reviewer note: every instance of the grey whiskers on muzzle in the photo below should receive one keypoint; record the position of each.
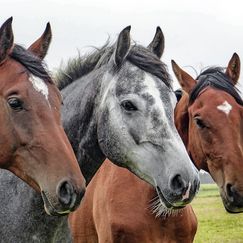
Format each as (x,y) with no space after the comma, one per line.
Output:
(160,210)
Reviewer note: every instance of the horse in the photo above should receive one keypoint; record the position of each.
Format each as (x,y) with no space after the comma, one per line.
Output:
(33,143)
(209,120)
(31,135)
(118,206)
(125,104)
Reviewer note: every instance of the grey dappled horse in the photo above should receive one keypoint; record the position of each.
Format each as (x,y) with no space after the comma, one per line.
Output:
(118,103)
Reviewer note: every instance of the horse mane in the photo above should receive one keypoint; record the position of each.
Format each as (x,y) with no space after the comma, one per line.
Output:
(215,78)
(138,55)
(31,62)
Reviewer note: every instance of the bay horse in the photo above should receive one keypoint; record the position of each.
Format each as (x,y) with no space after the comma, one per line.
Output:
(209,120)
(118,206)
(33,144)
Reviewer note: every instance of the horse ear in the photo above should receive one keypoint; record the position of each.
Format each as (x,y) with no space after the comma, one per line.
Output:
(6,39)
(186,81)
(122,45)
(158,43)
(41,46)
(233,69)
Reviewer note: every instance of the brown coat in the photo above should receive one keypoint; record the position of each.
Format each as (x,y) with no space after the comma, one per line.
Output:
(116,209)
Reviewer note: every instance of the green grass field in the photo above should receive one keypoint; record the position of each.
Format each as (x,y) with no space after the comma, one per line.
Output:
(215,225)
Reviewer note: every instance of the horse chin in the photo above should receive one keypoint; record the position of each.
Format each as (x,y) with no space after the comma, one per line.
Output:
(233,210)
(161,207)
(230,207)
(50,209)
(167,204)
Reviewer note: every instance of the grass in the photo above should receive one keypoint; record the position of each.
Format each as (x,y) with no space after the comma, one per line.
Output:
(215,225)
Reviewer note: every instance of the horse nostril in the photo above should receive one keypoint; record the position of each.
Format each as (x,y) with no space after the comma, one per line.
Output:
(65,192)
(230,192)
(178,184)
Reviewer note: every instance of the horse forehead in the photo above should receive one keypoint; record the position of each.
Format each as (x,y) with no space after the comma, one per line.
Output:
(225,107)
(157,91)
(130,80)
(214,102)
(40,86)
(210,98)
(134,80)
(10,71)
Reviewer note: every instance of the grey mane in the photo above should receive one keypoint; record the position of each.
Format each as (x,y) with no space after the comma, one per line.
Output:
(138,55)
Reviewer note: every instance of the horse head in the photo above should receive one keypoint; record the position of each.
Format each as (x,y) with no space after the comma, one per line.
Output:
(136,120)
(33,143)
(209,119)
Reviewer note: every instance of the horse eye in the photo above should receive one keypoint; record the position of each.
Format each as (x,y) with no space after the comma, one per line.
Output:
(15,103)
(128,105)
(199,122)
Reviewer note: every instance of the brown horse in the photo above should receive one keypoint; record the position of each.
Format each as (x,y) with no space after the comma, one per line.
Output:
(118,206)
(33,143)
(209,119)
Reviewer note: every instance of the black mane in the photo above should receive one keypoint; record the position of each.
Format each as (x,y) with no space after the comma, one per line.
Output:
(215,78)
(31,62)
(138,55)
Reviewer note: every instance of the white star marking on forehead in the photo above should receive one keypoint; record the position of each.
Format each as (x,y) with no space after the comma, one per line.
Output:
(225,107)
(40,86)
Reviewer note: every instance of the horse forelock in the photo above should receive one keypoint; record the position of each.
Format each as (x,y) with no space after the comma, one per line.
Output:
(216,78)
(138,55)
(149,62)
(31,62)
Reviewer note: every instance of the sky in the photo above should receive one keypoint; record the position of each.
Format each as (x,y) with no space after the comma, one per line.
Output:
(197,33)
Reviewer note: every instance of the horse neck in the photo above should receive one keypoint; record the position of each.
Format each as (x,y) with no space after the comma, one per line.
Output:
(24,206)
(80,123)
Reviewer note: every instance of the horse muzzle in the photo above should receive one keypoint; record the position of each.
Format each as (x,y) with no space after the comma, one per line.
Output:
(179,193)
(232,199)
(66,200)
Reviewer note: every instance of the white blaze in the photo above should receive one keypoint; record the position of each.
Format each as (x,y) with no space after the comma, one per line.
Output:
(106,87)
(40,86)
(153,90)
(225,107)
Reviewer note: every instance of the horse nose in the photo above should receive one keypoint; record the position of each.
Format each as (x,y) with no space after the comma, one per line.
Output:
(183,189)
(178,185)
(232,193)
(68,196)
(234,199)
